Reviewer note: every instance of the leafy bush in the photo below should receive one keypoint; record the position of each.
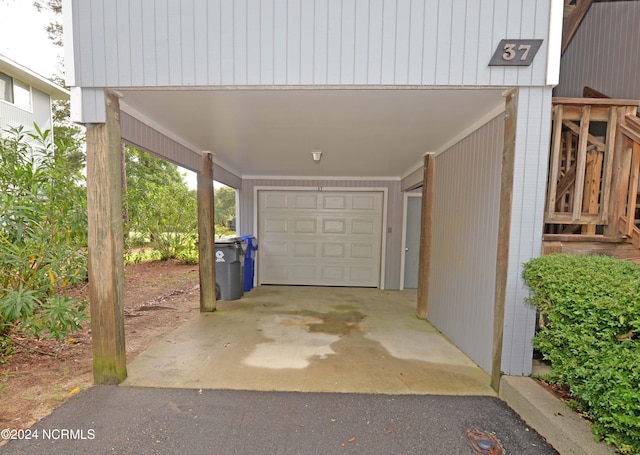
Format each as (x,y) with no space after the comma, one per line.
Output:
(162,211)
(43,236)
(591,336)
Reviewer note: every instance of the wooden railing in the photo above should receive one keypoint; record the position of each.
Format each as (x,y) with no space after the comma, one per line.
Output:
(593,167)
(627,220)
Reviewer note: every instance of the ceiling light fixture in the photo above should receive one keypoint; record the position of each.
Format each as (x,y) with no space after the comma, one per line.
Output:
(317,154)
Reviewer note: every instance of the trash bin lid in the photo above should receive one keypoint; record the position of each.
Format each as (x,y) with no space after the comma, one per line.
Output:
(252,242)
(229,240)
(233,242)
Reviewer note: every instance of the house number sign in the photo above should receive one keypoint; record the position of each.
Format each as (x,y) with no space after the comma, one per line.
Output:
(515,52)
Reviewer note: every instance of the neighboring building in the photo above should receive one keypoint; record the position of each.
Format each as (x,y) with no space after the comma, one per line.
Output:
(25,97)
(604,53)
(374,85)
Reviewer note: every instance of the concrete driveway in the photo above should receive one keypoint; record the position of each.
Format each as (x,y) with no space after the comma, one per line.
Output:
(311,339)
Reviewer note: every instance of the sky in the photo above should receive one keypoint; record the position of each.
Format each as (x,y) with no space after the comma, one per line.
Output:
(23,37)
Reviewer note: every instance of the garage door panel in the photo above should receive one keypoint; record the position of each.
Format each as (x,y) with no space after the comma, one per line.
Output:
(305,202)
(275,248)
(365,227)
(304,249)
(276,225)
(362,251)
(276,201)
(277,273)
(334,202)
(305,226)
(334,226)
(361,274)
(333,250)
(333,273)
(364,202)
(320,238)
(303,274)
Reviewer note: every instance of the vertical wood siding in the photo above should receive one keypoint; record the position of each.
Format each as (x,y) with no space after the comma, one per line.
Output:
(124,43)
(40,113)
(142,136)
(604,53)
(529,192)
(465,235)
(394,213)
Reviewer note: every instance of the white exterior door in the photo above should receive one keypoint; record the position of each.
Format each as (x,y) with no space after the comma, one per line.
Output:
(326,238)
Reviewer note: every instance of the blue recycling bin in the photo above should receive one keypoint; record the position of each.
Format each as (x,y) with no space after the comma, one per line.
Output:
(249,261)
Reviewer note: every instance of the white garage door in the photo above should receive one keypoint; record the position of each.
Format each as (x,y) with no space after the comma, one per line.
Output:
(320,238)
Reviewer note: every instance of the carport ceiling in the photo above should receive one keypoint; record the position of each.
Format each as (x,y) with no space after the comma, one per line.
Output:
(271,132)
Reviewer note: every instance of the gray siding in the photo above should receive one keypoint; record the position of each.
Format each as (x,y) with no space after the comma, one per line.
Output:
(394,213)
(465,235)
(12,116)
(466,210)
(604,53)
(136,133)
(325,42)
(529,192)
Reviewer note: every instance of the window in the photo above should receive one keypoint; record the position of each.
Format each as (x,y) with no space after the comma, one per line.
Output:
(15,92)
(6,88)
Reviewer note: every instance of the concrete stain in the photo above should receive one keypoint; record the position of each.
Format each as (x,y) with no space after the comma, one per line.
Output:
(335,322)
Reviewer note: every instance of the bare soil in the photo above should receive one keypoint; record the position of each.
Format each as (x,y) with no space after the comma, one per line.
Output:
(42,374)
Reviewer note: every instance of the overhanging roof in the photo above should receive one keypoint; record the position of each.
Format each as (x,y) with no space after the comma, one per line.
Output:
(37,81)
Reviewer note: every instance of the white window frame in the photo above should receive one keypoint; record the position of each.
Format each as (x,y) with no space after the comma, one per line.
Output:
(24,88)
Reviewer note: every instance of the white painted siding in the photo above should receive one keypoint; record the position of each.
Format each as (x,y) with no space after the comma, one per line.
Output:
(465,235)
(529,192)
(394,213)
(604,53)
(127,43)
(40,113)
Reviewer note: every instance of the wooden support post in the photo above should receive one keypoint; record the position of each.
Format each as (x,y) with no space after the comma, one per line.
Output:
(504,233)
(612,128)
(424,265)
(106,264)
(206,241)
(619,180)
(556,149)
(581,162)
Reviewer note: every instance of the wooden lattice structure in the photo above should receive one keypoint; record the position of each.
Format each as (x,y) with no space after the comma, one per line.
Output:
(593,171)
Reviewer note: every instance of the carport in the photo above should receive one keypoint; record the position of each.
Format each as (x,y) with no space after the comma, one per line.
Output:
(395,95)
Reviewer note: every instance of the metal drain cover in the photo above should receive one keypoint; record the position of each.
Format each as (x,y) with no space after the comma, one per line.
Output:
(484,443)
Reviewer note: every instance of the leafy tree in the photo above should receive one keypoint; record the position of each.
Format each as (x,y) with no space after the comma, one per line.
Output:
(54,29)
(70,137)
(224,205)
(161,208)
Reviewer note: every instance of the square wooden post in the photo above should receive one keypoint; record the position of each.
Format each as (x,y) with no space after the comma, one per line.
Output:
(504,233)
(620,175)
(426,222)
(106,263)
(206,241)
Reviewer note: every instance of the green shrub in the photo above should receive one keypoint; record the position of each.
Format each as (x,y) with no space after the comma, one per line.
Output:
(591,336)
(43,236)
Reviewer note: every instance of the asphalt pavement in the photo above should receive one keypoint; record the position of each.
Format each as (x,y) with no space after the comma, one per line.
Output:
(135,420)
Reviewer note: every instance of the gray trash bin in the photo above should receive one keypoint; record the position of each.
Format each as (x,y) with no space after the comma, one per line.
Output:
(229,257)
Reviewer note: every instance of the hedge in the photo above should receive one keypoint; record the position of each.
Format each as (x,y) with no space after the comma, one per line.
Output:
(591,336)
